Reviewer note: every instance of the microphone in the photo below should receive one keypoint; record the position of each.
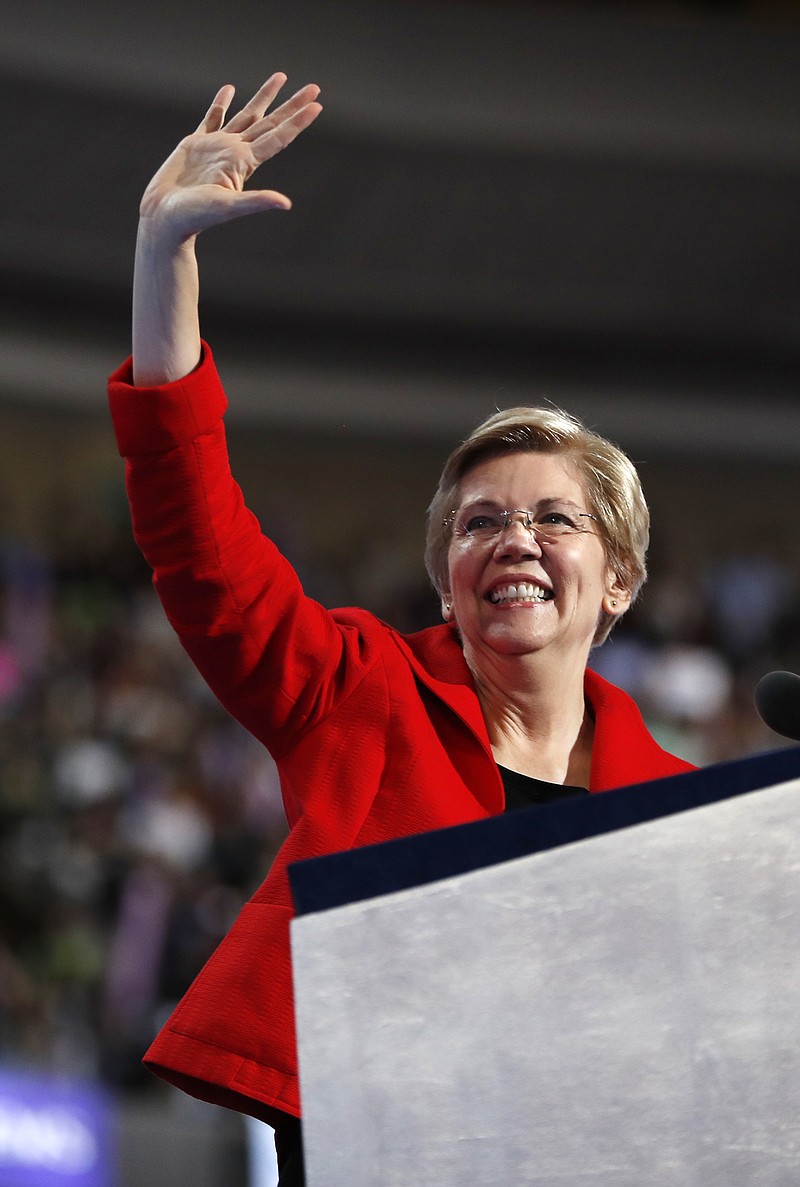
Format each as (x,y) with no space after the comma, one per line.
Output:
(777,698)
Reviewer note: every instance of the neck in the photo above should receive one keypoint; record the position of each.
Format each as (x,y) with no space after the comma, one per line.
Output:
(536,716)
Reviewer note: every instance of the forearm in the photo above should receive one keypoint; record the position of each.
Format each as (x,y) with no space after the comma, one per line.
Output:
(166,328)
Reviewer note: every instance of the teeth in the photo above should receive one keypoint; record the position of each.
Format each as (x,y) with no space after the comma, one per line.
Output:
(525,591)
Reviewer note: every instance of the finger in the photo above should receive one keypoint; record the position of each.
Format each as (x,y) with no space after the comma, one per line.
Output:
(272,141)
(254,201)
(298,101)
(236,205)
(254,109)
(214,118)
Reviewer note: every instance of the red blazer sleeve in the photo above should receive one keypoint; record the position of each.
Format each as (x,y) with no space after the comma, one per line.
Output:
(276,659)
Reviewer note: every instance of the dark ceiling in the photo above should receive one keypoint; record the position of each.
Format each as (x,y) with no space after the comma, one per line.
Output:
(592,202)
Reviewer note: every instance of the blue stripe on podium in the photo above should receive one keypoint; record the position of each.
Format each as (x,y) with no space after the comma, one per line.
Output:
(321,883)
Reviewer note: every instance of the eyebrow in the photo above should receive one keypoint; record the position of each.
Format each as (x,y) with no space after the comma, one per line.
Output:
(542,505)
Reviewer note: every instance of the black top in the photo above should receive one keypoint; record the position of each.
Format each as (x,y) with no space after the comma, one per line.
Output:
(523,790)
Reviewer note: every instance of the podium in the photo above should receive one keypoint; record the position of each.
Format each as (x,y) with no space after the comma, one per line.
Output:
(602,992)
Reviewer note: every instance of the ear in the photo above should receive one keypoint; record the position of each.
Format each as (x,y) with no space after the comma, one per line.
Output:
(447,608)
(616,599)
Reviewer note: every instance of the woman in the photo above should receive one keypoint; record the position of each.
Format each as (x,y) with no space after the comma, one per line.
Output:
(536,544)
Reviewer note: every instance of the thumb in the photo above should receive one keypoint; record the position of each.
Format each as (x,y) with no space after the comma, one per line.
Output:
(254,201)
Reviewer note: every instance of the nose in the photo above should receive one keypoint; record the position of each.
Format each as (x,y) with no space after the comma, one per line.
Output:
(522,517)
(518,536)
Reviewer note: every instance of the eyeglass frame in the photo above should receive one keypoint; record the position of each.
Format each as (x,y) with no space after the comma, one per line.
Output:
(529,524)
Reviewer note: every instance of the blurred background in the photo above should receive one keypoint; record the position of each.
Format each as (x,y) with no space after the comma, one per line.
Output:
(594,204)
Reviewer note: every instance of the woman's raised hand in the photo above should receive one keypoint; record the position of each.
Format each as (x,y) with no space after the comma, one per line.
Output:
(201,184)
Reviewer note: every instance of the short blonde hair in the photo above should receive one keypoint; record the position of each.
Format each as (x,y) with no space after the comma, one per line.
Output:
(613,490)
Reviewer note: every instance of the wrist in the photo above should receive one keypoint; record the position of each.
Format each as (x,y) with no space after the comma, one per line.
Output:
(158,242)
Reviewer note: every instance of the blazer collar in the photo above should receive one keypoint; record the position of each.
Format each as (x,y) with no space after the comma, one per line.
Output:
(623,751)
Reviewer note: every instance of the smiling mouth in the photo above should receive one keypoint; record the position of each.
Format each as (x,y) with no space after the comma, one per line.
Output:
(523,592)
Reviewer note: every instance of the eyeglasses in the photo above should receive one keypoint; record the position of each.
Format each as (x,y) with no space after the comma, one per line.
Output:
(546,526)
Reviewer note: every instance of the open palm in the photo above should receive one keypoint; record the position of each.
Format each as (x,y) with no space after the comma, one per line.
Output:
(201,184)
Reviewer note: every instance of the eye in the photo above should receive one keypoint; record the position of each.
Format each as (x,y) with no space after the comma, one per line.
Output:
(477,524)
(558,519)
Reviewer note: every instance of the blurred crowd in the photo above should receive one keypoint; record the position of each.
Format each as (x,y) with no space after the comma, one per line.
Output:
(136,816)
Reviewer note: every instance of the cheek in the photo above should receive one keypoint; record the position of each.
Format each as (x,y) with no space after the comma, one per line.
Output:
(461,573)
(590,568)
(453,584)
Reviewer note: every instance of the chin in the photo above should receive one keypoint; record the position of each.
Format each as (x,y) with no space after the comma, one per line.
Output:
(514,643)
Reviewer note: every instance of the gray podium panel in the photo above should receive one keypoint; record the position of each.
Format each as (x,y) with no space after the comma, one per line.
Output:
(620,1012)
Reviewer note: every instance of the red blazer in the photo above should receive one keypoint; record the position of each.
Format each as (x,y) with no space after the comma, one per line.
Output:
(376,734)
